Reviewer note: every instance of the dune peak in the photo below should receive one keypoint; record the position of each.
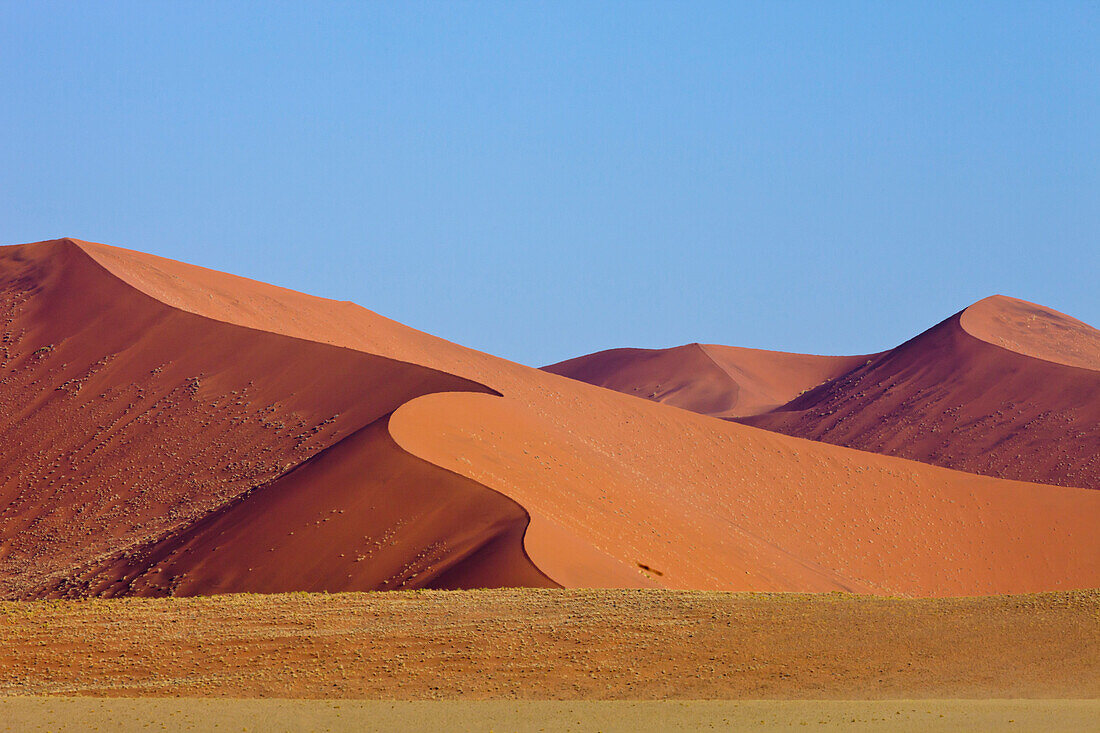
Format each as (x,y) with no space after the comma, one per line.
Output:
(1033,330)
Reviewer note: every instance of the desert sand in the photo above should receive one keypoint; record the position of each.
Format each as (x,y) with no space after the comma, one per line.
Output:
(530,659)
(1003,388)
(179,431)
(964,716)
(723,381)
(541,644)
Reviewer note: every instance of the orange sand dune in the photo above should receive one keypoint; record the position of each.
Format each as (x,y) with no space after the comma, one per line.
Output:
(1004,388)
(1033,330)
(723,381)
(240,416)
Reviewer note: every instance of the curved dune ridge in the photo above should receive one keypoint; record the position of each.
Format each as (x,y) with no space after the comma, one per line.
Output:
(178,430)
(127,421)
(1033,330)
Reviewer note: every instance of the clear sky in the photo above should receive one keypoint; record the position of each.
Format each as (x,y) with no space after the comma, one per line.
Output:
(545,180)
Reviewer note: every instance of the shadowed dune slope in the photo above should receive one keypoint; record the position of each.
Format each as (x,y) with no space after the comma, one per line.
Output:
(360,515)
(124,420)
(723,381)
(619,491)
(1003,388)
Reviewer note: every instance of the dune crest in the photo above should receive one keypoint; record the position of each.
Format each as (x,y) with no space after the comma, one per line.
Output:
(1033,330)
(130,424)
(953,399)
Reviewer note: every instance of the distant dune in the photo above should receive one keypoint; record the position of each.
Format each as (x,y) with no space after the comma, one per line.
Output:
(723,381)
(1004,388)
(174,430)
(1033,330)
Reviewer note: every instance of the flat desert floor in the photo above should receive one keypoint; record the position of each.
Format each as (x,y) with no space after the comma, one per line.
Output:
(128,714)
(490,655)
(555,645)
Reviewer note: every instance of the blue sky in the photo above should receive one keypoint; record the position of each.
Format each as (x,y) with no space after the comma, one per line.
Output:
(544,180)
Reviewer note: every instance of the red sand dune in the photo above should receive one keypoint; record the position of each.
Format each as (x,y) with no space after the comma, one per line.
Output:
(174,429)
(1033,330)
(707,379)
(723,381)
(125,419)
(1004,388)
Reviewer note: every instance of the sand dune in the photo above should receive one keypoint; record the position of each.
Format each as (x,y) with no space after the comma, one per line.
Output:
(723,381)
(1033,330)
(1002,388)
(178,430)
(360,515)
(124,419)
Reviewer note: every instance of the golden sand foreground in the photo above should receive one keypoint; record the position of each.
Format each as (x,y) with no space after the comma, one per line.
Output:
(555,645)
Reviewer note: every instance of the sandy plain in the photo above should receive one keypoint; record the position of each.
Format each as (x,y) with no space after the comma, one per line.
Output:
(540,660)
(556,645)
(127,714)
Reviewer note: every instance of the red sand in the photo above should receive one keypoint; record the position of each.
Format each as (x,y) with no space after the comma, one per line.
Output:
(1001,389)
(1033,330)
(1004,388)
(174,429)
(723,381)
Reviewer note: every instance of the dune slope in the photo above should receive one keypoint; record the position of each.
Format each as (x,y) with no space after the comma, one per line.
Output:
(1004,388)
(428,460)
(360,515)
(723,381)
(125,420)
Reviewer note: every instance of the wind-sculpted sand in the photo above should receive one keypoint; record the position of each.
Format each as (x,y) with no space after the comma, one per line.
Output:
(990,390)
(205,466)
(175,430)
(1004,388)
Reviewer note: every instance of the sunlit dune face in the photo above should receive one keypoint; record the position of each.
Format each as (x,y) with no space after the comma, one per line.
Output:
(1034,330)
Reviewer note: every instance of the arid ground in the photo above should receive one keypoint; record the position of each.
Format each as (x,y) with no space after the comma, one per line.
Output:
(556,645)
(274,716)
(856,662)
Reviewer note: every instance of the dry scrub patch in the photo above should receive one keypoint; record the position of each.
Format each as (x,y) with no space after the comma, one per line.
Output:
(555,644)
